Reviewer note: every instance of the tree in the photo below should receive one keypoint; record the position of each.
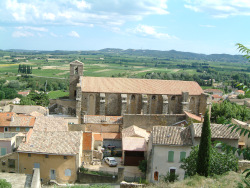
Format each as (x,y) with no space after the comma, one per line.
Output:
(221,162)
(2,95)
(204,154)
(143,166)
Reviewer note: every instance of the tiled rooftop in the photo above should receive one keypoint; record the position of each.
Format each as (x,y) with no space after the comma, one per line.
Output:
(45,123)
(27,109)
(14,120)
(134,131)
(193,116)
(98,136)
(172,135)
(142,86)
(60,143)
(134,144)
(101,119)
(217,131)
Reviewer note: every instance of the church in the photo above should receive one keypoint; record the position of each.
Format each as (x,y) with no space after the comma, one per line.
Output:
(120,96)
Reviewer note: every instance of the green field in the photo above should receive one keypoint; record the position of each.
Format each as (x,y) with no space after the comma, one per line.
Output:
(57,94)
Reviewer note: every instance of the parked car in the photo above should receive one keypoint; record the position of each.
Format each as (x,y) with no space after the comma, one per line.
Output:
(110,161)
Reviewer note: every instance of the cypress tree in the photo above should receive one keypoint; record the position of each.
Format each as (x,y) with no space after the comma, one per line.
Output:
(204,154)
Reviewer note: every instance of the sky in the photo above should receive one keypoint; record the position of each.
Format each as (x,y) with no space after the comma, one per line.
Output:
(200,26)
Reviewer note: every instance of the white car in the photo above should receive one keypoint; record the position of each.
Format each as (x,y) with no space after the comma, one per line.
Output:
(110,161)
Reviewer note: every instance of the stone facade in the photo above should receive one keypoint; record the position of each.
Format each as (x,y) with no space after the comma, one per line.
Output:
(118,104)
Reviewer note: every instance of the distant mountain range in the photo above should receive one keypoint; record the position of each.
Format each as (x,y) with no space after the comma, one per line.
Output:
(167,55)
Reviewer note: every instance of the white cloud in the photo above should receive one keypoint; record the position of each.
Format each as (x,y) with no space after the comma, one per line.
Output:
(41,29)
(74,34)
(17,34)
(49,16)
(220,8)
(209,26)
(53,34)
(79,12)
(149,31)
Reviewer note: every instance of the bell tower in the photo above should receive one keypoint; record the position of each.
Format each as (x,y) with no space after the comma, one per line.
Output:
(76,71)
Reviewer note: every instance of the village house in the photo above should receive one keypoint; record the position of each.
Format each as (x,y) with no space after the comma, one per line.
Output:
(168,145)
(12,122)
(56,154)
(134,145)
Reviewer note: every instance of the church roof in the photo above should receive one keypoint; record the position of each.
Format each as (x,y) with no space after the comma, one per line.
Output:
(140,86)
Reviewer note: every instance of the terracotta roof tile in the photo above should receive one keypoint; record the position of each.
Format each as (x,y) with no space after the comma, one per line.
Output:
(45,123)
(27,109)
(60,143)
(143,86)
(134,131)
(101,119)
(98,136)
(22,121)
(172,135)
(134,144)
(193,116)
(5,118)
(217,131)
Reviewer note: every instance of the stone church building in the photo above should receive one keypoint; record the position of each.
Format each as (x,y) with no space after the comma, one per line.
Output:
(120,96)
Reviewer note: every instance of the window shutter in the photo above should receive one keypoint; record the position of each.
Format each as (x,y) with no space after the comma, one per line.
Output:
(3,151)
(171,156)
(182,155)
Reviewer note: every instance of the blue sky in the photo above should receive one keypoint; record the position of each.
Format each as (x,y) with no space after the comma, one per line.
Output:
(201,26)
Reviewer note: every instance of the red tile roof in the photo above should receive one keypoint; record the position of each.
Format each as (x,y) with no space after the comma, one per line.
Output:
(217,96)
(5,118)
(13,120)
(193,116)
(98,137)
(142,86)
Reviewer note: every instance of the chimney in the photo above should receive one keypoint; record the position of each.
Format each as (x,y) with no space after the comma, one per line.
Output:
(12,118)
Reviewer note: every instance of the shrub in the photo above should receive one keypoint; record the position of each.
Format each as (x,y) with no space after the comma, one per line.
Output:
(170,177)
(143,166)
(4,184)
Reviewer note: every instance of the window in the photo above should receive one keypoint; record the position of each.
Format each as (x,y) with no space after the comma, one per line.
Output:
(3,163)
(67,172)
(172,98)
(171,156)
(3,151)
(64,157)
(29,154)
(6,129)
(46,156)
(36,165)
(17,128)
(153,97)
(27,129)
(182,155)
(11,163)
(172,171)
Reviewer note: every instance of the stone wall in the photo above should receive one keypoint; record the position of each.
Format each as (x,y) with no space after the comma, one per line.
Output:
(9,163)
(36,183)
(103,128)
(148,121)
(92,178)
(63,106)
(243,165)
(76,127)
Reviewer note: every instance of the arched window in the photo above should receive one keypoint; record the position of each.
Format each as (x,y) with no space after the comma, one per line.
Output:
(156,175)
